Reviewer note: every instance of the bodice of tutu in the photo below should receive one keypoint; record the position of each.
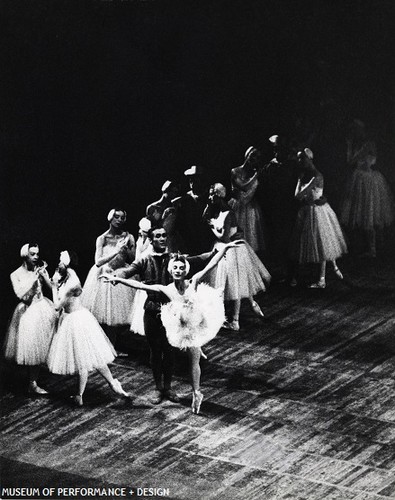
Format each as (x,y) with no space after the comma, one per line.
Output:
(68,293)
(244,192)
(73,304)
(175,295)
(226,222)
(316,190)
(315,194)
(26,285)
(365,164)
(120,260)
(361,156)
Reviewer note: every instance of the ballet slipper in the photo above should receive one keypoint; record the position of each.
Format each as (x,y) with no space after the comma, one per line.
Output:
(320,284)
(338,273)
(35,389)
(197,398)
(256,308)
(117,388)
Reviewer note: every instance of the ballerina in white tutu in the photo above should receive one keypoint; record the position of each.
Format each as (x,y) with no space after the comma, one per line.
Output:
(79,345)
(241,274)
(368,204)
(114,249)
(317,235)
(247,210)
(194,314)
(32,325)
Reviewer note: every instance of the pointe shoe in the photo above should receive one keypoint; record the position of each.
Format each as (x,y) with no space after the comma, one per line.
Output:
(256,308)
(319,284)
(117,388)
(338,273)
(77,400)
(35,389)
(197,398)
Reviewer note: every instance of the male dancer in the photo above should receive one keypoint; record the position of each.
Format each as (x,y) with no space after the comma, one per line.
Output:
(152,269)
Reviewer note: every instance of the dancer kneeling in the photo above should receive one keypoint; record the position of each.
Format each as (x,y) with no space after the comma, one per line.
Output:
(194,314)
(79,345)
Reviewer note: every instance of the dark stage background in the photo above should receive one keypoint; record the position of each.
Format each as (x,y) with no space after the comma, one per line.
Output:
(102,101)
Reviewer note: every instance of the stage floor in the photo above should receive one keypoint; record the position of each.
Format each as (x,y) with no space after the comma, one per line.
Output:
(300,405)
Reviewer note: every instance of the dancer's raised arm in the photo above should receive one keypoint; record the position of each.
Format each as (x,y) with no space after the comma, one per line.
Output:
(214,261)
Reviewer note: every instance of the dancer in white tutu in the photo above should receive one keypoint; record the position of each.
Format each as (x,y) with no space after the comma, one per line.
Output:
(32,325)
(241,274)
(79,345)
(114,249)
(246,208)
(368,203)
(317,235)
(143,247)
(194,314)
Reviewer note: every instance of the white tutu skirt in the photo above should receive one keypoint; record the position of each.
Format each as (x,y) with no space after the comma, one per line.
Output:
(196,321)
(79,344)
(317,235)
(240,273)
(109,304)
(30,332)
(137,312)
(368,201)
(249,219)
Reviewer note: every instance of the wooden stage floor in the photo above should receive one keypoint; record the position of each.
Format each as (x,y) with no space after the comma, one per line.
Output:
(300,405)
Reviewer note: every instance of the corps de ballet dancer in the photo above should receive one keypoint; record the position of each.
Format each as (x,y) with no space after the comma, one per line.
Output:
(317,236)
(79,344)
(368,204)
(241,273)
(244,204)
(32,325)
(194,314)
(114,249)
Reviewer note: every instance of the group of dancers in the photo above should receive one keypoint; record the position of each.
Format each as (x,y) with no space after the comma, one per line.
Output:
(219,242)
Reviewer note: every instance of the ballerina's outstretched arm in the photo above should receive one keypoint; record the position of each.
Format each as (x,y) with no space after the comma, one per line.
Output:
(214,261)
(134,284)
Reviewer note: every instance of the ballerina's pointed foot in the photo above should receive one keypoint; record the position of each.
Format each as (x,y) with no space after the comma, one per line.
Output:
(256,308)
(319,284)
(35,389)
(197,398)
(338,273)
(77,400)
(117,388)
